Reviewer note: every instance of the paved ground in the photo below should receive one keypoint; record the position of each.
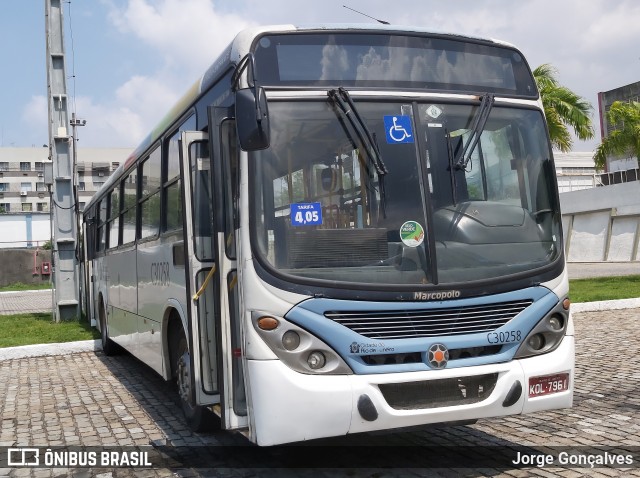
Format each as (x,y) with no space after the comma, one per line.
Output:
(80,397)
(89,399)
(26,301)
(582,270)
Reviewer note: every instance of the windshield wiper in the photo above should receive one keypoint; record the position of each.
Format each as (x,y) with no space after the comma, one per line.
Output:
(452,166)
(480,121)
(343,103)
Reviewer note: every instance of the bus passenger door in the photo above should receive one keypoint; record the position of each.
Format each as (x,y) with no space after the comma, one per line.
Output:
(225,154)
(201,268)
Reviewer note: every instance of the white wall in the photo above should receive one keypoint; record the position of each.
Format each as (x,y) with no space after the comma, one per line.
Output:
(17,229)
(602,224)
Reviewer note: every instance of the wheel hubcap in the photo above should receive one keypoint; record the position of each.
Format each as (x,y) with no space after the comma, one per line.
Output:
(184,378)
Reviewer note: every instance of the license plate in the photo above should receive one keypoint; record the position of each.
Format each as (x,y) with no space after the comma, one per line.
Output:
(548,384)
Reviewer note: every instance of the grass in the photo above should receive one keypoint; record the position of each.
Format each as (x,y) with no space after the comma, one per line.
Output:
(39,328)
(17,286)
(604,288)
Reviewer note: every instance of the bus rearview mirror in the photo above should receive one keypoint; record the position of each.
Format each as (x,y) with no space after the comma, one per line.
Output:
(252,119)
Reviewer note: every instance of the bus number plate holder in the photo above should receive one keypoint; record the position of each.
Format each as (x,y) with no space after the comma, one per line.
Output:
(548,384)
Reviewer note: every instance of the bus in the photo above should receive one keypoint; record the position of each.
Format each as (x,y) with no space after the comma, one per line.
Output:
(341,229)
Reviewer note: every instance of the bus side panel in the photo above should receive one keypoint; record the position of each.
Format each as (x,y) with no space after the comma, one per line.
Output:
(123,298)
(160,281)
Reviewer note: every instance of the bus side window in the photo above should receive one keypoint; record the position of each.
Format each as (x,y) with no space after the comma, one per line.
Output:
(172,197)
(102,227)
(150,195)
(114,220)
(231,184)
(202,201)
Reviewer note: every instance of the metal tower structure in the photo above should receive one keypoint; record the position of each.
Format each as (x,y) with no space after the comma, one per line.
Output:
(65,264)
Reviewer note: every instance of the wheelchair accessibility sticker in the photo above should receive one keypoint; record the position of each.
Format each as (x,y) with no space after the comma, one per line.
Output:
(398,129)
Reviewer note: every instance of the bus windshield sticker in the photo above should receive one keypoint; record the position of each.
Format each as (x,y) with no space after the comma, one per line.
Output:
(306,214)
(412,234)
(433,111)
(398,129)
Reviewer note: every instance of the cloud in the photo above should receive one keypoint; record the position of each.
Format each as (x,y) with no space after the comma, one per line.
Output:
(592,44)
(35,112)
(137,106)
(185,33)
(186,36)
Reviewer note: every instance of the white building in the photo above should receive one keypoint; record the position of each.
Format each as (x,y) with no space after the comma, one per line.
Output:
(576,171)
(25,198)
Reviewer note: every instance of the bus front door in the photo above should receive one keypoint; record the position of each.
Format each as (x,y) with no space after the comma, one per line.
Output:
(211,278)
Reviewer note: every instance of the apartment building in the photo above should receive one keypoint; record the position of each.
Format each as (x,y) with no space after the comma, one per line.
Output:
(22,186)
(24,196)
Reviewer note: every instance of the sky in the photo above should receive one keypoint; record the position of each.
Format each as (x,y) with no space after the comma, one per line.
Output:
(128,61)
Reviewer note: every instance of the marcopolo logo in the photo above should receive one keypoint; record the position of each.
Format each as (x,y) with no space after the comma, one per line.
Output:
(444,294)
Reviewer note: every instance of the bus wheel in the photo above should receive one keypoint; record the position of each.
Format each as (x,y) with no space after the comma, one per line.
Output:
(198,418)
(109,347)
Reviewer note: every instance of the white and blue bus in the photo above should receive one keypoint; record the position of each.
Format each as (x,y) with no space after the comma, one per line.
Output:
(341,229)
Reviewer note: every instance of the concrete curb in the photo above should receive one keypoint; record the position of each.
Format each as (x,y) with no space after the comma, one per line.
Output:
(605,305)
(24,291)
(47,350)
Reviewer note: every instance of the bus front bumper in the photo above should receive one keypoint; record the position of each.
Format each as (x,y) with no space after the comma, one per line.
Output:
(293,407)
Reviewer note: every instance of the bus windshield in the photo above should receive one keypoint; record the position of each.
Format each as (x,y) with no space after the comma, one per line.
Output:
(322,210)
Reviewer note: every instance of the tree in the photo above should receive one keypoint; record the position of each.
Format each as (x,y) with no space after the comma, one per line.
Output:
(563,108)
(624,140)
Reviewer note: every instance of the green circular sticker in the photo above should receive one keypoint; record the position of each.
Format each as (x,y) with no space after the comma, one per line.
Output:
(412,234)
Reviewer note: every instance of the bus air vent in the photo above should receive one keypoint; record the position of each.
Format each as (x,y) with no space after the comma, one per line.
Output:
(336,247)
(416,357)
(446,392)
(440,322)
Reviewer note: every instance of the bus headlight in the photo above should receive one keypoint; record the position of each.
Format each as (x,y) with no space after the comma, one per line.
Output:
(536,342)
(290,340)
(297,348)
(546,335)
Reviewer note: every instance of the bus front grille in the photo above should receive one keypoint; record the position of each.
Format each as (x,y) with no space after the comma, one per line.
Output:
(446,392)
(401,324)
(417,357)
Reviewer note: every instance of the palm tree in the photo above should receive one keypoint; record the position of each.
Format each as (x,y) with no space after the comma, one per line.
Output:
(563,109)
(625,139)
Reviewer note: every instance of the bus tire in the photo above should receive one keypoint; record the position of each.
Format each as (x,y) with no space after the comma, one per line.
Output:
(197,417)
(109,347)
